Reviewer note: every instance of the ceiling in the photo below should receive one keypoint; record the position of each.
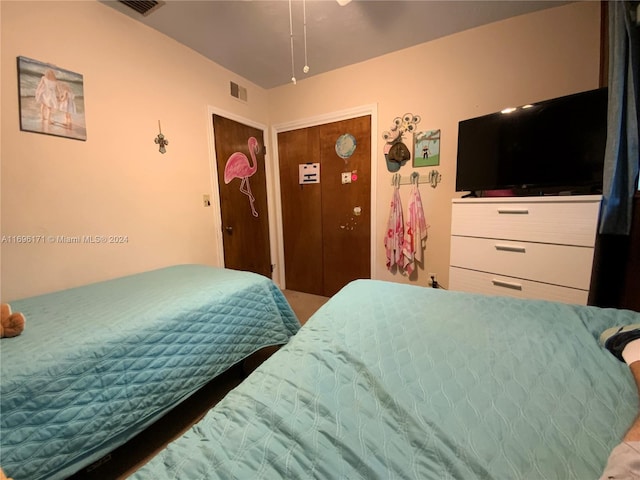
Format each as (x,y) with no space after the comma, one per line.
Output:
(251,37)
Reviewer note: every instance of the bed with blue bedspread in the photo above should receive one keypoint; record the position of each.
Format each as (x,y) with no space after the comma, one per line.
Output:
(97,364)
(399,381)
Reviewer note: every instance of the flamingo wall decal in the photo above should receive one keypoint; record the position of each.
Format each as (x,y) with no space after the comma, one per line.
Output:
(238,166)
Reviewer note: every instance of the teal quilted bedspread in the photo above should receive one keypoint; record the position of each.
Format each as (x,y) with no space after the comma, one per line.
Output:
(98,363)
(401,382)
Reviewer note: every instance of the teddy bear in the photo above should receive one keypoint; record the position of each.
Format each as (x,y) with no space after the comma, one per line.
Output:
(2,475)
(11,324)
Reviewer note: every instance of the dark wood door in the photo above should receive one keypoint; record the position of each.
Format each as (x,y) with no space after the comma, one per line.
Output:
(301,211)
(346,208)
(326,226)
(240,156)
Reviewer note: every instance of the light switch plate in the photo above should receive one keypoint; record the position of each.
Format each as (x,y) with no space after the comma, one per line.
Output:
(346,177)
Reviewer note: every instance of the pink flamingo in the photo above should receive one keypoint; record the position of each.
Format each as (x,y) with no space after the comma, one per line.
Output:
(238,167)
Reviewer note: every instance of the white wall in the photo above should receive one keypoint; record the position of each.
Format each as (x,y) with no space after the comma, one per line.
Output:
(529,58)
(116,182)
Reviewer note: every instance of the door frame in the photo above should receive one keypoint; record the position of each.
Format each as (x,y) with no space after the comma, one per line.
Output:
(370,109)
(215,191)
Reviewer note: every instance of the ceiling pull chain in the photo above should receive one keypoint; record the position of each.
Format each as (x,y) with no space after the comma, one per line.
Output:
(293,70)
(304,13)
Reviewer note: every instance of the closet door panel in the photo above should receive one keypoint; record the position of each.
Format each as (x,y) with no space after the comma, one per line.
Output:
(326,225)
(301,212)
(346,214)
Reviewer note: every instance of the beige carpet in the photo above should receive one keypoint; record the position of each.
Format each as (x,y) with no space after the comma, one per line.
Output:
(304,304)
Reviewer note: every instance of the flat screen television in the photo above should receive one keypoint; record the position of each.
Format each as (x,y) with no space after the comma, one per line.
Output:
(553,146)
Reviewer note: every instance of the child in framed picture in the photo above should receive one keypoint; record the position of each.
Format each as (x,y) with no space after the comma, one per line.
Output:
(66,102)
(47,96)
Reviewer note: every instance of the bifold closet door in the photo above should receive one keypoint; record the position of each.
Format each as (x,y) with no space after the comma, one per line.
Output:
(326,225)
(301,211)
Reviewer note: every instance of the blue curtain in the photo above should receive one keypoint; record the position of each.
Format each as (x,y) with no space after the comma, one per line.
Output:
(622,153)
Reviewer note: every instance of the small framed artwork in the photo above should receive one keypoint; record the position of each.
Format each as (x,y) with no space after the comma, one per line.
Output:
(51,100)
(427,149)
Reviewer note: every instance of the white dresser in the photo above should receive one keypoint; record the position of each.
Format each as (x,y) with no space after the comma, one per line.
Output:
(526,247)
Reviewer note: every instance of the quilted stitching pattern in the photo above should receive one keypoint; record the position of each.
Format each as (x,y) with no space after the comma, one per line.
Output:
(105,360)
(397,381)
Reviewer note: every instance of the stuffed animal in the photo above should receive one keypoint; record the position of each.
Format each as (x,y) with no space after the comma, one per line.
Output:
(2,475)
(11,324)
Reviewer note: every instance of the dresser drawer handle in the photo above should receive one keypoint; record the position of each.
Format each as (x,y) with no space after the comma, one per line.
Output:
(513,211)
(512,285)
(510,248)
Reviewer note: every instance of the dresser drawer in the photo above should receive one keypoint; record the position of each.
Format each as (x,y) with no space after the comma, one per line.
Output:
(490,284)
(547,220)
(556,264)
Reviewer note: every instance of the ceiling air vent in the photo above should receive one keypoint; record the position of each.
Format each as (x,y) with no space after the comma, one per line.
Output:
(143,7)
(238,91)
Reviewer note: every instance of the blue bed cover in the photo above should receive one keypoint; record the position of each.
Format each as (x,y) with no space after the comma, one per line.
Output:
(398,381)
(96,364)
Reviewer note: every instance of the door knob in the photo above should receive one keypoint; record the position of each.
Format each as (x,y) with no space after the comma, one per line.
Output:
(229,229)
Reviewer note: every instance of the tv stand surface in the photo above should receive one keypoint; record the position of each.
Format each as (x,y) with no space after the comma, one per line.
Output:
(531,193)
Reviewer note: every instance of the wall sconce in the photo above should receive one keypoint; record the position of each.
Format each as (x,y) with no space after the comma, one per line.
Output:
(160,140)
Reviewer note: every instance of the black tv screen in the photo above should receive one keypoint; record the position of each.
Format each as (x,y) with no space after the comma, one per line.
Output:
(548,147)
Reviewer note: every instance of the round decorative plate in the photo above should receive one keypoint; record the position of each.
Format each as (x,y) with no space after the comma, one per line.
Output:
(345,145)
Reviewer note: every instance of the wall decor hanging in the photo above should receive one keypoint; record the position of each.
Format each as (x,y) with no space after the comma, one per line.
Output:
(238,166)
(396,152)
(427,149)
(345,146)
(308,173)
(51,100)
(161,140)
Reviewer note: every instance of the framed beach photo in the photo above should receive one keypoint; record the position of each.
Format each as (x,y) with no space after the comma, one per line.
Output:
(427,149)
(51,100)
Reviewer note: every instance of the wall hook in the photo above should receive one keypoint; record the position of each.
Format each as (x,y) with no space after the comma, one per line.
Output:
(435,178)
(396,180)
